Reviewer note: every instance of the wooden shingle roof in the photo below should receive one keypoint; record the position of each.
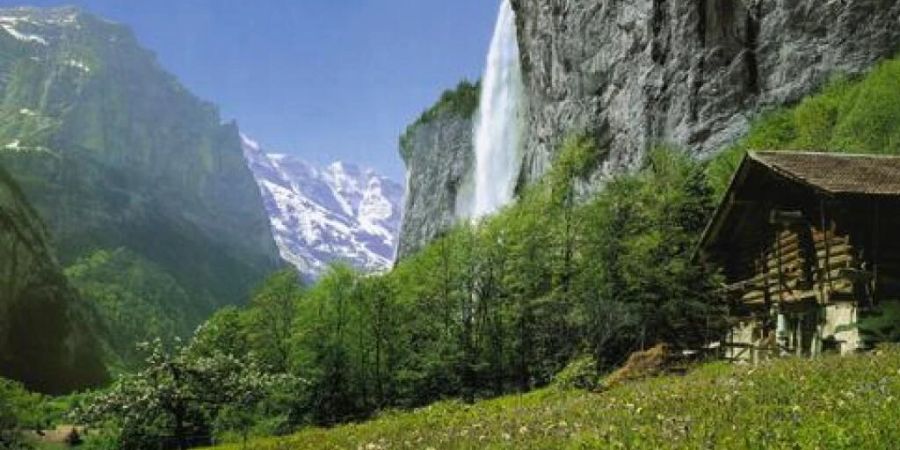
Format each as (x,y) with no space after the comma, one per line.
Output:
(837,173)
(833,174)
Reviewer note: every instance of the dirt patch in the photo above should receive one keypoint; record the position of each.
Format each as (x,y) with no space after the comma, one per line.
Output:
(641,365)
(58,435)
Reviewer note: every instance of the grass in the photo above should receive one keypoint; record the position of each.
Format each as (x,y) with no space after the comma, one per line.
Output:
(831,402)
(848,115)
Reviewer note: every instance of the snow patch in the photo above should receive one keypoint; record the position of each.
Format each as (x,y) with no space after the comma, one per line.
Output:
(78,65)
(249,143)
(10,28)
(16,146)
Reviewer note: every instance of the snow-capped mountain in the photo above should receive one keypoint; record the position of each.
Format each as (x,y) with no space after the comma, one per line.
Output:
(321,215)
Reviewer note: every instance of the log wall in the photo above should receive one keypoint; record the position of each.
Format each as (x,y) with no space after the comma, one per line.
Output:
(794,265)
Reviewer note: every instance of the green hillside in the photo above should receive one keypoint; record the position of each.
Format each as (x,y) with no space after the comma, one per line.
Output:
(137,300)
(833,402)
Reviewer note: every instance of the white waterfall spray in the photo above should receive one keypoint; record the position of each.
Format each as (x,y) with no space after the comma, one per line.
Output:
(498,157)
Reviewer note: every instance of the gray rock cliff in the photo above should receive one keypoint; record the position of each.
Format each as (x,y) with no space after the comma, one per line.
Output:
(693,73)
(635,73)
(439,155)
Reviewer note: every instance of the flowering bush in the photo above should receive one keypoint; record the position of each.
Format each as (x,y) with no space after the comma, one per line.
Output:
(178,397)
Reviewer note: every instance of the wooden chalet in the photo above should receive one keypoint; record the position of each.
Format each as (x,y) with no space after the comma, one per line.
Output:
(807,244)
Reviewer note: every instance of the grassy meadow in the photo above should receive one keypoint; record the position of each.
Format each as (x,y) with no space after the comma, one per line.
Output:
(832,402)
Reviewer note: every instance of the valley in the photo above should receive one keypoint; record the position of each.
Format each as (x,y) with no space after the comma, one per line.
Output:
(541,279)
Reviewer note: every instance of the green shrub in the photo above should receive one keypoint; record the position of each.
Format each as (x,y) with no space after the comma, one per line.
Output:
(581,373)
(20,410)
(459,102)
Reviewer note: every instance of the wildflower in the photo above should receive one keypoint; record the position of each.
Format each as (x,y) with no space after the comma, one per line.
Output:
(523,429)
(507,436)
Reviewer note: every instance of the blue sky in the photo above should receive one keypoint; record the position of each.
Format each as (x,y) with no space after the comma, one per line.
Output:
(324,79)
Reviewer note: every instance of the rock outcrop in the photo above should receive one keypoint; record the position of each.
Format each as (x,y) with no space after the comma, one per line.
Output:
(439,156)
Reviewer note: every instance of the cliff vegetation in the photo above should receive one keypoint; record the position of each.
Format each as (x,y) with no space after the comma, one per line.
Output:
(459,102)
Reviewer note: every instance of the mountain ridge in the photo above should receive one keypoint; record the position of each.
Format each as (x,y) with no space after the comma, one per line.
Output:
(324,215)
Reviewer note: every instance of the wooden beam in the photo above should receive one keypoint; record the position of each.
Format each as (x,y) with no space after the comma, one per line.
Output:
(786,217)
(827,244)
(876,253)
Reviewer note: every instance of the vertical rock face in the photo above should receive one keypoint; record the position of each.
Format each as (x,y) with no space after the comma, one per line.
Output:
(638,72)
(439,158)
(45,341)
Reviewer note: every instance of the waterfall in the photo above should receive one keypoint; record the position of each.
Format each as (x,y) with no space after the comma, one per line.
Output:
(498,157)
